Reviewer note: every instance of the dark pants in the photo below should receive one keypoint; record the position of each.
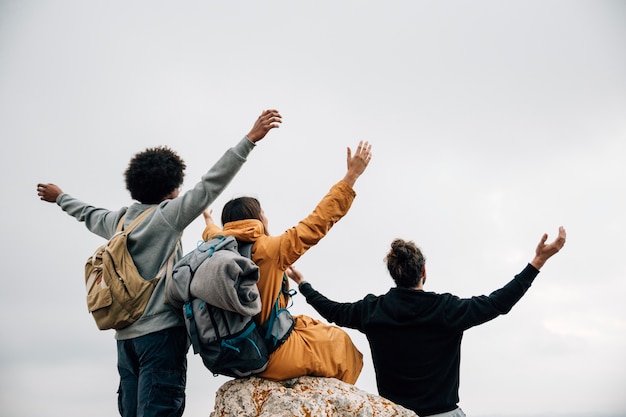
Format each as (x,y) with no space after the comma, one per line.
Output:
(153,373)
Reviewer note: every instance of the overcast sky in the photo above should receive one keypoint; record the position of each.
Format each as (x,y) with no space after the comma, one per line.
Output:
(492,122)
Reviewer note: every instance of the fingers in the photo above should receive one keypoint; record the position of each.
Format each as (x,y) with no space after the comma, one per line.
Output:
(41,191)
(270,118)
(545,251)
(559,242)
(363,151)
(48,192)
(293,274)
(294,271)
(363,147)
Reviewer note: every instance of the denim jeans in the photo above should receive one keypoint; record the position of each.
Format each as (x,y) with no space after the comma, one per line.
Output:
(153,373)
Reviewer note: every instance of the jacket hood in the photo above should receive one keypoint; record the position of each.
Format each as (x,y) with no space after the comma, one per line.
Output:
(248,230)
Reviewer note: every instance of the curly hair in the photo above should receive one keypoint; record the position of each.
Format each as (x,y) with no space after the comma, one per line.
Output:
(405,263)
(153,174)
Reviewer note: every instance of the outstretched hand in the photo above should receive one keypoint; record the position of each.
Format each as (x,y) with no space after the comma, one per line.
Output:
(358,162)
(546,251)
(48,192)
(294,275)
(208,219)
(268,120)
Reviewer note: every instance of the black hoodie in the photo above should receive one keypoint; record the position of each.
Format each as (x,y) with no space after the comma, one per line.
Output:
(415,337)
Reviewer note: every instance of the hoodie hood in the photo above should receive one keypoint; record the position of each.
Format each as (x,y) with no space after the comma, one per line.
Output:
(411,307)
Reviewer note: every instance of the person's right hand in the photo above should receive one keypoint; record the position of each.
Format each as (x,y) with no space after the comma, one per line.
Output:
(48,192)
(358,162)
(545,251)
(268,120)
(208,218)
(294,274)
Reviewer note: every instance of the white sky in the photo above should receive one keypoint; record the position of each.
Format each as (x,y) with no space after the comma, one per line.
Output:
(491,122)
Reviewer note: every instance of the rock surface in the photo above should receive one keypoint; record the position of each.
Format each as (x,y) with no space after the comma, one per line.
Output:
(300,397)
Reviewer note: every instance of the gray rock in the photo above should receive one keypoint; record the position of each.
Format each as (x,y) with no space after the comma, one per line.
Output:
(300,397)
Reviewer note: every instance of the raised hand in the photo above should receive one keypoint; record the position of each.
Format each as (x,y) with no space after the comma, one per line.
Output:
(267,121)
(208,217)
(358,162)
(48,192)
(545,251)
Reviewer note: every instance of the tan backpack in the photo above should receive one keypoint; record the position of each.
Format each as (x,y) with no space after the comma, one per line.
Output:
(117,294)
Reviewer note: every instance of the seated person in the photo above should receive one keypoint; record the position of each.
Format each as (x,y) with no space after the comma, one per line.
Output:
(312,347)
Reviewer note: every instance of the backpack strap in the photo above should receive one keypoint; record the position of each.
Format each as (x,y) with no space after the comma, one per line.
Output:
(133,224)
(275,340)
(167,268)
(212,310)
(120,225)
(193,328)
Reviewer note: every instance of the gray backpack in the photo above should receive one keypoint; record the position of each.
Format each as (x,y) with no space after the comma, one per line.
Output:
(215,286)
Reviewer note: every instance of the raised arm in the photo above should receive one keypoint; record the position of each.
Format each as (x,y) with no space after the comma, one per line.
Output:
(98,220)
(476,310)
(188,206)
(294,242)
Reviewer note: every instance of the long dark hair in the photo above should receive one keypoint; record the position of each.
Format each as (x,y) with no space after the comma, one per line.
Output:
(405,263)
(241,208)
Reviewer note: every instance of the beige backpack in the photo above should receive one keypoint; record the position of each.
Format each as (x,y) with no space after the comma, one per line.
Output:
(117,294)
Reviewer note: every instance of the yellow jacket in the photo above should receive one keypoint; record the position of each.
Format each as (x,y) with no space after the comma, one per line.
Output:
(313,348)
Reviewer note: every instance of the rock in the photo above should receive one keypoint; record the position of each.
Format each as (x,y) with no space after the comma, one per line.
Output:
(300,397)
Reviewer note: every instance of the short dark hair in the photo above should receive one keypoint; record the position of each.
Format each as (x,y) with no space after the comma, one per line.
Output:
(405,263)
(241,208)
(153,174)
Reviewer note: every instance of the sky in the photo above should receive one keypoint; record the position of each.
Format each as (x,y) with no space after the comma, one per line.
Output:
(492,122)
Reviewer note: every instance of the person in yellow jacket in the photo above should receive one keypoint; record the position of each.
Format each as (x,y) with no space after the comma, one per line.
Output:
(313,347)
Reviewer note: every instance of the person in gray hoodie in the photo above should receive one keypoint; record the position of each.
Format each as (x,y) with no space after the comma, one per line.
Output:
(151,352)
(415,335)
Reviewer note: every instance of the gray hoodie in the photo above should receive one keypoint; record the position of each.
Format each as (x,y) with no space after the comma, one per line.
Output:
(154,240)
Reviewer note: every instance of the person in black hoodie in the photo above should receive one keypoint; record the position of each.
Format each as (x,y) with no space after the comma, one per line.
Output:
(424,377)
